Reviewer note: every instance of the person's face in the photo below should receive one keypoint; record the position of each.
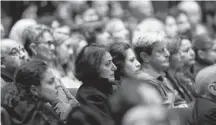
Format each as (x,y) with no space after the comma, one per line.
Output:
(188,54)
(210,54)
(107,68)
(45,47)
(120,31)
(183,23)
(194,16)
(48,87)
(14,55)
(117,11)
(146,8)
(170,26)
(102,37)
(159,58)
(65,51)
(90,15)
(131,66)
(101,8)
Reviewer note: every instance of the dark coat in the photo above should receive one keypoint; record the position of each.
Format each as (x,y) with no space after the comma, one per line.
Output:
(94,93)
(181,88)
(24,111)
(203,112)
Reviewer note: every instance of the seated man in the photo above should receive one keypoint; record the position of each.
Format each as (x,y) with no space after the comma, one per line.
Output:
(205,51)
(154,57)
(12,56)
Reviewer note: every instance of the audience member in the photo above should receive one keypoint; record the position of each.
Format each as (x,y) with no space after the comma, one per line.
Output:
(94,67)
(17,31)
(176,64)
(125,61)
(12,56)
(153,55)
(117,30)
(26,101)
(205,52)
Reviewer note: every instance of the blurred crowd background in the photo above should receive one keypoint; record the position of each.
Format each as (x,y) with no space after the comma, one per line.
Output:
(108,62)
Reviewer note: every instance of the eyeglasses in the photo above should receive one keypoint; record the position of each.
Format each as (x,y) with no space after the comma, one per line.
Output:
(15,51)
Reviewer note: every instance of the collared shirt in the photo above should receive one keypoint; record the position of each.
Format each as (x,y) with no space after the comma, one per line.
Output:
(165,86)
(159,81)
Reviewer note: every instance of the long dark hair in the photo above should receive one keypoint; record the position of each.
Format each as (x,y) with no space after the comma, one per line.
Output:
(88,62)
(117,51)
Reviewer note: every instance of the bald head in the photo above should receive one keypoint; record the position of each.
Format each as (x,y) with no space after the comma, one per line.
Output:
(205,82)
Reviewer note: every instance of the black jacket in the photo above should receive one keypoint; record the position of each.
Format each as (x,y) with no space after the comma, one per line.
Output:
(203,112)
(94,93)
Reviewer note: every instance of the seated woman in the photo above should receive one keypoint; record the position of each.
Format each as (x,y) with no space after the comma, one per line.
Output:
(125,60)
(27,101)
(40,45)
(64,53)
(94,67)
(178,58)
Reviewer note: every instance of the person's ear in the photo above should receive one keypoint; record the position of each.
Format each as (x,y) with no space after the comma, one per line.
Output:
(34,90)
(201,54)
(144,56)
(212,88)
(32,47)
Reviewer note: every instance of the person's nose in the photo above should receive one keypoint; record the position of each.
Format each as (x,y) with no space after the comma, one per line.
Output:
(22,55)
(138,65)
(114,68)
(166,52)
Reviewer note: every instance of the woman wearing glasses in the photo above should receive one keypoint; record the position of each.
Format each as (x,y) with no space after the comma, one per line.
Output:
(40,45)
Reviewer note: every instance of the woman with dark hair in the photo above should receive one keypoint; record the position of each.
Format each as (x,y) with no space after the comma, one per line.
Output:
(94,67)
(125,60)
(27,101)
(177,61)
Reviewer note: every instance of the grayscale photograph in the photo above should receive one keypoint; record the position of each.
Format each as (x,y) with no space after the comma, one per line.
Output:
(107,62)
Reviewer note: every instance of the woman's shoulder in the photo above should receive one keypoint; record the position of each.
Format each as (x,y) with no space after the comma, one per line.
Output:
(89,93)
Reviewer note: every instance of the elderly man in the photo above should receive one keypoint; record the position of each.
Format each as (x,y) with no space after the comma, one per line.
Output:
(12,56)
(205,105)
(152,52)
(205,51)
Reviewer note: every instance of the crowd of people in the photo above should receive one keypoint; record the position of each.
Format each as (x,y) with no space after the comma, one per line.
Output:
(96,63)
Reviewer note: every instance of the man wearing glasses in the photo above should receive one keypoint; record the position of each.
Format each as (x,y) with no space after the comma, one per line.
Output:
(12,56)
